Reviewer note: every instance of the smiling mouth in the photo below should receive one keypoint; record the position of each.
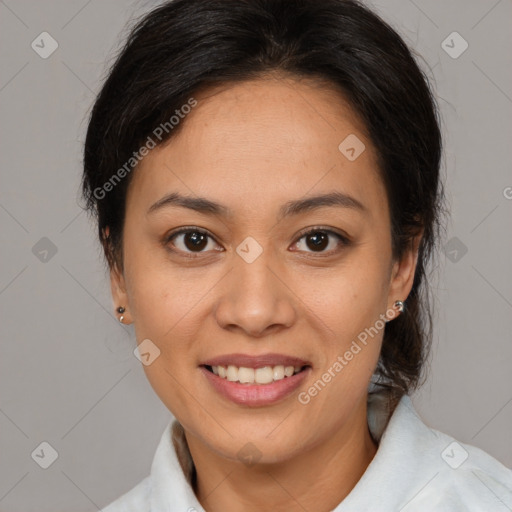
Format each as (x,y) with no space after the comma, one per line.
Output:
(255,376)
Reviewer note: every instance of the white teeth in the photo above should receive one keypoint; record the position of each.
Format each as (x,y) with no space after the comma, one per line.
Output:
(264,375)
(232,373)
(246,375)
(278,372)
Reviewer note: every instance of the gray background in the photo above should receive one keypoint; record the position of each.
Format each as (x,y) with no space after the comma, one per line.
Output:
(68,373)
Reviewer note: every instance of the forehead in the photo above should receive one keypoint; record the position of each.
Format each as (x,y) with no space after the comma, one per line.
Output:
(257,142)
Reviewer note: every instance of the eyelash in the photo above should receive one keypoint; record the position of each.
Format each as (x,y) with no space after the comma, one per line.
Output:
(317,229)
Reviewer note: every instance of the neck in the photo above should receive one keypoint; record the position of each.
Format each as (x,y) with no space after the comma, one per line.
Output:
(318,478)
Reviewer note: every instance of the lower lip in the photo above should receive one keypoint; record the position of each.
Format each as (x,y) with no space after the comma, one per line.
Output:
(255,395)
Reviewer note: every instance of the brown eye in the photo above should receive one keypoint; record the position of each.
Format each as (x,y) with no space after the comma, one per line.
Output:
(189,240)
(317,240)
(194,240)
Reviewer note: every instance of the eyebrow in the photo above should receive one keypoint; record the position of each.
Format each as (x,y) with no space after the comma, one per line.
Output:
(295,207)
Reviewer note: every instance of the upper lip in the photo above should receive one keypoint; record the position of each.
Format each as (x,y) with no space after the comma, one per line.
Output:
(248,361)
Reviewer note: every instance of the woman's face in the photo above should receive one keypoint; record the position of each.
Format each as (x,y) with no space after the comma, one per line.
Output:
(245,286)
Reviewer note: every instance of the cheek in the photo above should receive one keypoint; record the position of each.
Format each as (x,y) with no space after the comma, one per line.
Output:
(162,296)
(350,316)
(165,304)
(350,298)
(350,311)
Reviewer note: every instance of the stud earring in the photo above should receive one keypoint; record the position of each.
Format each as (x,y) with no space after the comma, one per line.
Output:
(400,306)
(121,310)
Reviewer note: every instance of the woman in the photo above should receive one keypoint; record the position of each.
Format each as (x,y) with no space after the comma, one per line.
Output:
(265,180)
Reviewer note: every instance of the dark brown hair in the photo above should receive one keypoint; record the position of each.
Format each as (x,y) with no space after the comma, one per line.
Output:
(184,46)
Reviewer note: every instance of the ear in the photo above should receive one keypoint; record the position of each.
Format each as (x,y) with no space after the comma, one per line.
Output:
(119,295)
(403,271)
(118,287)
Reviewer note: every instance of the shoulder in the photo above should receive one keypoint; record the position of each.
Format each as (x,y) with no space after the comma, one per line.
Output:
(135,499)
(455,476)
(467,479)
(419,469)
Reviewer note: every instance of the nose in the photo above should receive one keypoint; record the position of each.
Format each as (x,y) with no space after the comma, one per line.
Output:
(255,298)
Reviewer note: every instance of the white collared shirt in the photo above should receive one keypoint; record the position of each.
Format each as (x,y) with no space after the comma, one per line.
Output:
(415,468)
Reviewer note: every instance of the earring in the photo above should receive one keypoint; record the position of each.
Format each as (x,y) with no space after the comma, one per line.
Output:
(121,310)
(400,306)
